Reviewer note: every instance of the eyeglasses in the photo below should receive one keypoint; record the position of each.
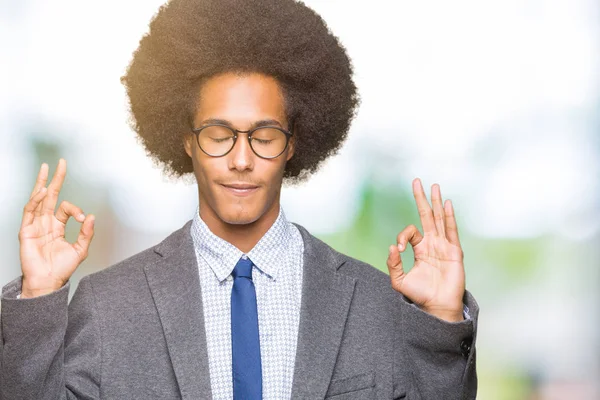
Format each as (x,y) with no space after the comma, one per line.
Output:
(216,140)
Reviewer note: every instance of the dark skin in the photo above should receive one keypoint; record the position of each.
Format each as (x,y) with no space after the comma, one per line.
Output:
(242,101)
(239,197)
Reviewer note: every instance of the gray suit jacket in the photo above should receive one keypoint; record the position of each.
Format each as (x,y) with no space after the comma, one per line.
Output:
(136,331)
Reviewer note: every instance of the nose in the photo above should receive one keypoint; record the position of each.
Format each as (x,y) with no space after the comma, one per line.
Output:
(241,156)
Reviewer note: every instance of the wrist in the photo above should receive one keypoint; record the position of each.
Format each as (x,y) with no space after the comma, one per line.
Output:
(29,294)
(446,315)
(31,290)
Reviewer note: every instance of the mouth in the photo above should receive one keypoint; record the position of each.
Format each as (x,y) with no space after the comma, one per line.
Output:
(239,189)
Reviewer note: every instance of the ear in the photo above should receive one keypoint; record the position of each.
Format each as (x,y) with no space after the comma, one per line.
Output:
(291,148)
(188,143)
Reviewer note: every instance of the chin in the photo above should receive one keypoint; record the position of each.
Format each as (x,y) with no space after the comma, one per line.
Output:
(238,217)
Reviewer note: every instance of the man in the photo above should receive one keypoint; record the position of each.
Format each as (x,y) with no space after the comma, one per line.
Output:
(238,303)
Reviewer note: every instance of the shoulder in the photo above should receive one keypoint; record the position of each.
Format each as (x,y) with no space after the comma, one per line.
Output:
(373,297)
(131,268)
(344,264)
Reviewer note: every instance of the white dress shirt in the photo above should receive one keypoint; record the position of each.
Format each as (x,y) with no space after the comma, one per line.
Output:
(277,277)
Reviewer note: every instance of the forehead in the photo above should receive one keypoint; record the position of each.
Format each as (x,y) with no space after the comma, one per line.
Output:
(241,99)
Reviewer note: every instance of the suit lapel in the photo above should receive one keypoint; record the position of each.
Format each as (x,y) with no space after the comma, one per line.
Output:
(175,287)
(326,297)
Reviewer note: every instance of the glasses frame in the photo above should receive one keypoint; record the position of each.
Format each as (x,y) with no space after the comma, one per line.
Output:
(236,132)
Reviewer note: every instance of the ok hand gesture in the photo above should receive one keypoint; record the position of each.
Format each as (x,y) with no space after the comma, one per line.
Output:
(436,283)
(47,259)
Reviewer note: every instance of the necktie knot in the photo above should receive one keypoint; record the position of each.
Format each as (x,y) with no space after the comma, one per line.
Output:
(243,269)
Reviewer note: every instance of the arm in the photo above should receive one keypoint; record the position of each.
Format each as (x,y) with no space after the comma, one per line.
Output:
(434,343)
(435,359)
(33,334)
(37,327)
(51,350)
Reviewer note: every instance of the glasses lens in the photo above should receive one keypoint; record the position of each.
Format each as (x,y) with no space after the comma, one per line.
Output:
(268,142)
(215,140)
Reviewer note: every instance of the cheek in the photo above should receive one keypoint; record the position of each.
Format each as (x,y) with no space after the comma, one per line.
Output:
(272,171)
(202,170)
(274,181)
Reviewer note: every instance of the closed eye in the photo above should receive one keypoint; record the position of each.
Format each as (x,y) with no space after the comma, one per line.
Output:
(262,141)
(220,140)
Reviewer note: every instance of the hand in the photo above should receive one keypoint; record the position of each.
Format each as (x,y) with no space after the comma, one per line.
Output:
(436,283)
(47,259)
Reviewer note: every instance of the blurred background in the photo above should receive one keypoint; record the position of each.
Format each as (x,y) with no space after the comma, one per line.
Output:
(497,101)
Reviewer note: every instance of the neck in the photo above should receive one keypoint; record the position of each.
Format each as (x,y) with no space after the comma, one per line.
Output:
(242,236)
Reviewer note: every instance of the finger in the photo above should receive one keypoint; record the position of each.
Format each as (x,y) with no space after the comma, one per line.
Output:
(66,210)
(394,264)
(451,227)
(411,235)
(394,260)
(438,209)
(49,203)
(29,209)
(424,209)
(86,233)
(41,180)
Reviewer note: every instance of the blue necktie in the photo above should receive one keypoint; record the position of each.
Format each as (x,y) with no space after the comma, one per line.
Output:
(245,345)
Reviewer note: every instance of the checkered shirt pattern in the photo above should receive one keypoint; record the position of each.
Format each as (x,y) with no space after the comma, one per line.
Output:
(277,277)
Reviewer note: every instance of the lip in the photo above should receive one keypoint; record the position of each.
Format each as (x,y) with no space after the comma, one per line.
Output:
(239,189)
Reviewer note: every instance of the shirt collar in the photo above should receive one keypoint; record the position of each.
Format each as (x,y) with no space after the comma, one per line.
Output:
(268,254)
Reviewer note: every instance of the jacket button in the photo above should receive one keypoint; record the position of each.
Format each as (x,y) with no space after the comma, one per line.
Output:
(465,347)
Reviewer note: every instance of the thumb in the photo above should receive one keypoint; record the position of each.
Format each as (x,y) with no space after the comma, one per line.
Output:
(394,264)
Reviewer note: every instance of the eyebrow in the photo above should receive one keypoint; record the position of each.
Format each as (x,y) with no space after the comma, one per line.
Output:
(256,124)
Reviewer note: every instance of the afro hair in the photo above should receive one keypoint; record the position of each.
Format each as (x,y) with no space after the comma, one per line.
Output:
(191,40)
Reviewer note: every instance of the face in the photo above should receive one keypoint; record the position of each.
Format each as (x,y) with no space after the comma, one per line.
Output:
(239,187)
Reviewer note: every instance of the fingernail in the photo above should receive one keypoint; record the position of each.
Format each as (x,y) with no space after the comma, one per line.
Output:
(400,246)
(81,216)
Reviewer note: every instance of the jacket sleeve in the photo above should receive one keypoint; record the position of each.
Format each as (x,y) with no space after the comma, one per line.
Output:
(434,359)
(50,348)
